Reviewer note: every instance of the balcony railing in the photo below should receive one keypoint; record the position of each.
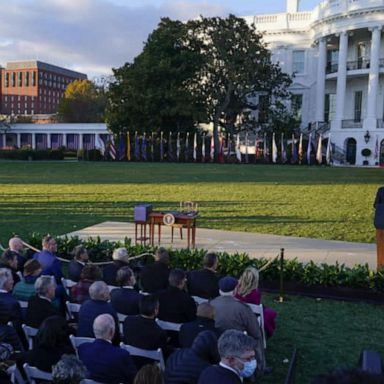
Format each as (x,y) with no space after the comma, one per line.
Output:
(332,67)
(351,124)
(358,64)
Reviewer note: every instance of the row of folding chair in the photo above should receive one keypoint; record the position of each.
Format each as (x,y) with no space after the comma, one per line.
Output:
(68,284)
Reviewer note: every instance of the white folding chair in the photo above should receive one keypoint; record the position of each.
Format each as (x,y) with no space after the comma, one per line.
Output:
(199,300)
(15,375)
(67,284)
(30,333)
(155,354)
(23,304)
(169,326)
(121,317)
(77,341)
(35,373)
(72,309)
(257,309)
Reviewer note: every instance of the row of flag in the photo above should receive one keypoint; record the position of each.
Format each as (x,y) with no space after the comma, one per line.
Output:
(142,148)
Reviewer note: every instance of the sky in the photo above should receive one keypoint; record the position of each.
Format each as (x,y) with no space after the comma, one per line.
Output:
(94,36)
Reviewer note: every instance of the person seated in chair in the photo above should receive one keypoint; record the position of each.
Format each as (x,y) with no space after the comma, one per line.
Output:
(80,291)
(205,282)
(79,261)
(9,260)
(16,247)
(105,362)
(126,299)
(154,277)
(120,259)
(25,289)
(69,370)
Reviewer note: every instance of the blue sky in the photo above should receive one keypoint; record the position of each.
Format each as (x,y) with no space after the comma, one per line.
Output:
(94,36)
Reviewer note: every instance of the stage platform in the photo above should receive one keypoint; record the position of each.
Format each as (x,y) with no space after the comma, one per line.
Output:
(255,244)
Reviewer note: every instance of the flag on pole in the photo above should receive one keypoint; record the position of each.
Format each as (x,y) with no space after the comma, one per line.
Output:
(265,145)
(238,153)
(328,155)
(212,148)
(221,149)
(178,146)
(186,150)
(128,146)
(376,157)
(301,148)
(137,147)
(144,148)
(319,153)
(246,147)
(161,146)
(293,150)
(112,148)
(195,147)
(203,148)
(309,148)
(170,147)
(283,151)
(274,149)
(100,144)
(122,149)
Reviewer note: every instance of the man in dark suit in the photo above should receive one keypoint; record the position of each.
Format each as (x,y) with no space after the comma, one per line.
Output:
(105,362)
(154,277)
(120,259)
(80,259)
(175,304)
(126,299)
(205,282)
(40,307)
(204,322)
(97,305)
(16,247)
(237,356)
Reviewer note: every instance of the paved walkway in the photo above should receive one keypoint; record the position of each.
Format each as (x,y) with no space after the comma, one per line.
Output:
(255,244)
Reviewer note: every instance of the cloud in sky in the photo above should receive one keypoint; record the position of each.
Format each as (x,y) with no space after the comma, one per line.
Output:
(90,36)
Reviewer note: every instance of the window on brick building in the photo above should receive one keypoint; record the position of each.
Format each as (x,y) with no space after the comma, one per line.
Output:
(33,79)
(13,79)
(26,79)
(7,80)
(20,79)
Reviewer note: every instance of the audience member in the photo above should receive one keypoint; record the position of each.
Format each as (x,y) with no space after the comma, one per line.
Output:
(126,299)
(80,291)
(9,260)
(185,365)
(231,313)
(204,322)
(48,260)
(247,291)
(105,362)
(25,289)
(349,376)
(120,259)
(154,277)
(142,331)
(205,282)
(16,247)
(80,259)
(40,306)
(149,374)
(97,305)
(175,304)
(69,370)
(51,342)
(9,335)
(237,359)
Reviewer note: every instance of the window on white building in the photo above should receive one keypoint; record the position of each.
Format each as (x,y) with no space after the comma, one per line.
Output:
(296,106)
(358,104)
(298,61)
(332,60)
(363,54)
(329,107)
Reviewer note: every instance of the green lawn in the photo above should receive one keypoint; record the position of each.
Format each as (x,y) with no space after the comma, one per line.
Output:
(319,202)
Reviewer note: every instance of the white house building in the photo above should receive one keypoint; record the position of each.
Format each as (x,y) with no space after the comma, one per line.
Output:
(336,53)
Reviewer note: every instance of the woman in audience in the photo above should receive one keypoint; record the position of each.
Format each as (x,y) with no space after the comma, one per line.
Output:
(52,341)
(9,260)
(247,291)
(69,370)
(80,292)
(149,374)
(25,289)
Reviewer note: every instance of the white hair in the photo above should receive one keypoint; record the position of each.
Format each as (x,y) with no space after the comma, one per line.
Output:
(43,283)
(5,276)
(99,291)
(120,254)
(104,326)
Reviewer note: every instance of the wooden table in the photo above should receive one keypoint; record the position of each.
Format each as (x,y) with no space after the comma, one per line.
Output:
(186,220)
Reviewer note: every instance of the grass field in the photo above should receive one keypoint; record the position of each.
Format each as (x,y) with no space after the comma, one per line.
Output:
(319,202)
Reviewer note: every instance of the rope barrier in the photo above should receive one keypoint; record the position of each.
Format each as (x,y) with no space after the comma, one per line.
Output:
(268,263)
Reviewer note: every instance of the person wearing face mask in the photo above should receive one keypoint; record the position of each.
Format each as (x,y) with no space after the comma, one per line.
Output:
(237,359)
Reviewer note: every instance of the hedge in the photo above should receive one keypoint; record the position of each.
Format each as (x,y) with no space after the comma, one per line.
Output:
(31,154)
(310,274)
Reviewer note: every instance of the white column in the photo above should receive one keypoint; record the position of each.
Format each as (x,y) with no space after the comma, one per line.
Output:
(80,141)
(341,80)
(33,140)
(18,140)
(320,84)
(373,81)
(49,141)
(64,140)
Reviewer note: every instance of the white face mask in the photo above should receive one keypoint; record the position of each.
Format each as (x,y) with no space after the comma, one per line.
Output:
(248,368)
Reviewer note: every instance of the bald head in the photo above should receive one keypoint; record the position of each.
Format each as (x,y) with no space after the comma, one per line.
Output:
(15,244)
(99,291)
(104,327)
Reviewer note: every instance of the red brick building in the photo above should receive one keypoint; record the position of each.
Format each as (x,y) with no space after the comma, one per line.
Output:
(33,87)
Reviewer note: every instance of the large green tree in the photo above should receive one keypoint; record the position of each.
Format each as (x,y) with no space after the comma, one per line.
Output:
(150,93)
(83,102)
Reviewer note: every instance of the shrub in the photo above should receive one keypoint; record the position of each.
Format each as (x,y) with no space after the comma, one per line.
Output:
(32,154)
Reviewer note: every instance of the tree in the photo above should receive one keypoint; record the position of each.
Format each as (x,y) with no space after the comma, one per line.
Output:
(150,93)
(83,102)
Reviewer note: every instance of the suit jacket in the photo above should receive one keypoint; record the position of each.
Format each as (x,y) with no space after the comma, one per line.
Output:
(203,283)
(107,363)
(176,306)
(50,264)
(110,271)
(125,300)
(10,308)
(74,270)
(379,209)
(190,330)
(88,313)
(218,374)
(154,277)
(9,335)
(38,310)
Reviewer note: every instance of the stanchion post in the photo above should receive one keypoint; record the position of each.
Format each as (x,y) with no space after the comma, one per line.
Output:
(281,297)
